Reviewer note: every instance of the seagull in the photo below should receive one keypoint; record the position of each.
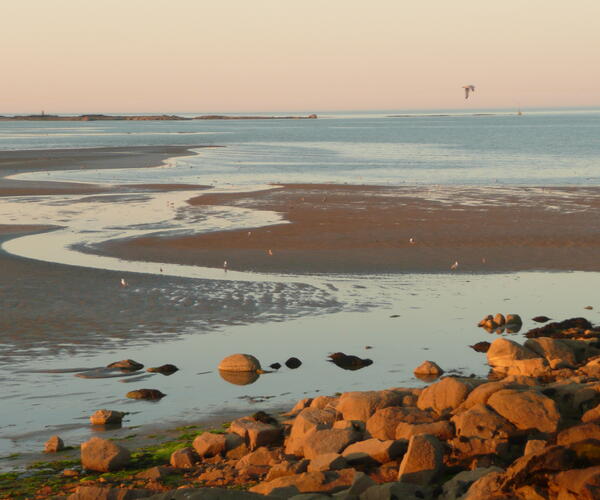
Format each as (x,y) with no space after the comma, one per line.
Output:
(225,265)
(123,282)
(454,266)
(468,88)
(411,241)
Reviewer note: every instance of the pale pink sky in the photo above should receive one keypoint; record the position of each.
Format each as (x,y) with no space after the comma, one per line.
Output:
(244,55)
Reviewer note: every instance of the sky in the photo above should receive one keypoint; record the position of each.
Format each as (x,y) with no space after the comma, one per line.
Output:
(84,56)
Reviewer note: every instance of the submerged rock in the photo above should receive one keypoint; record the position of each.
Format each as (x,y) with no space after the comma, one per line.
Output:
(163,369)
(481,346)
(541,319)
(349,361)
(428,368)
(293,363)
(126,364)
(275,366)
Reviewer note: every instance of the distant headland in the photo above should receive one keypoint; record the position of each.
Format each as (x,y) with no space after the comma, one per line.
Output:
(97,117)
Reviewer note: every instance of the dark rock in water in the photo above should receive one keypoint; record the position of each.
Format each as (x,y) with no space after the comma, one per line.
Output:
(275,366)
(481,346)
(265,418)
(150,394)
(126,364)
(293,363)
(589,308)
(541,319)
(348,361)
(568,328)
(163,369)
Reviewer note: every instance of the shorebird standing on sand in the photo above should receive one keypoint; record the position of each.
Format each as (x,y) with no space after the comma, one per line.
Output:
(225,265)
(454,266)
(123,282)
(270,252)
(468,88)
(411,241)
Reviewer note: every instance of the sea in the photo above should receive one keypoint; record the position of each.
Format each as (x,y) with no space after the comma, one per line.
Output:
(192,316)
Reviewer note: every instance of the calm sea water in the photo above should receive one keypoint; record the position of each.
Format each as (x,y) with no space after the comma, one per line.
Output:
(542,147)
(192,316)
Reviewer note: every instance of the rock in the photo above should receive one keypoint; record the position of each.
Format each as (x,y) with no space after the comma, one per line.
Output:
(469,447)
(361,483)
(293,363)
(107,417)
(307,420)
(299,406)
(428,368)
(541,319)
(578,433)
(349,361)
(383,423)
(513,319)
(255,433)
(485,487)
(236,446)
(558,354)
(101,455)
(287,468)
(482,422)
(534,446)
(126,364)
(499,319)
(422,462)
(481,346)
(526,410)
(578,484)
(374,451)
(352,425)
(275,366)
(459,484)
(396,491)
(592,415)
(563,329)
(328,441)
(208,444)
(512,358)
(53,445)
(206,494)
(156,473)
(163,369)
(444,396)
(308,482)
(327,461)
(442,430)
(322,402)
(260,457)
(183,459)
(264,417)
(361,405)
(84,492)
(148,394)
(239,363)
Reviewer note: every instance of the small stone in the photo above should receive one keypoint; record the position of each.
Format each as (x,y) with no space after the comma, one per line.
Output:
(126,364)
(104,417)
(293,363)
(541,319)
(534,446)
(428,368)
(163,369)
(54,444)
(148,394)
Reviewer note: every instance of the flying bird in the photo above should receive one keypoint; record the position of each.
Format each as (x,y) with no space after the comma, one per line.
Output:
(468,88)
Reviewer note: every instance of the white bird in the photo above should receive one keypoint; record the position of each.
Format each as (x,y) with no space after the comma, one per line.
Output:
(454,266)
(468,88)
(225,264)
(123,282)
(411,241)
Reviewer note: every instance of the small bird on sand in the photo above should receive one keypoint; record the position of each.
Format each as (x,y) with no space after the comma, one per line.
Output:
(468,88)
(270,252)
(411,241)
(454,266)
(123,282)
(249,234)
(225,265)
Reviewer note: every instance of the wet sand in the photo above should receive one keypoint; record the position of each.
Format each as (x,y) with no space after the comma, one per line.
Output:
(365,229)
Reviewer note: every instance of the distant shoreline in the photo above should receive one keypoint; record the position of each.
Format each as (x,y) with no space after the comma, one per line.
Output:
(100,117)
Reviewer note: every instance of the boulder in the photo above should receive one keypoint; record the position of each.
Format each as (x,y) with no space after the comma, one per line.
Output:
(459,484)
(256,433)
(239,363)
(148,394)
(428,368)
(308,482)
(53,445)
(293,363)
(423,460)
(262,457)
(480,421)
(578,433)
(361,405)
(382,424)
(328,441)
(526,409)
(444,396)
(287,468)
(84,492)
(183,459)
(442,429)
(327,461)
(534,446)
(307,420)
(374,451)
(106,417)
(163,369)
(101,455)
(209,444)
(485,487)
(509,357)
(592,415)
(482,393)
(396,491)
(469,447)
(557,353)
(577,484)
(322,402)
